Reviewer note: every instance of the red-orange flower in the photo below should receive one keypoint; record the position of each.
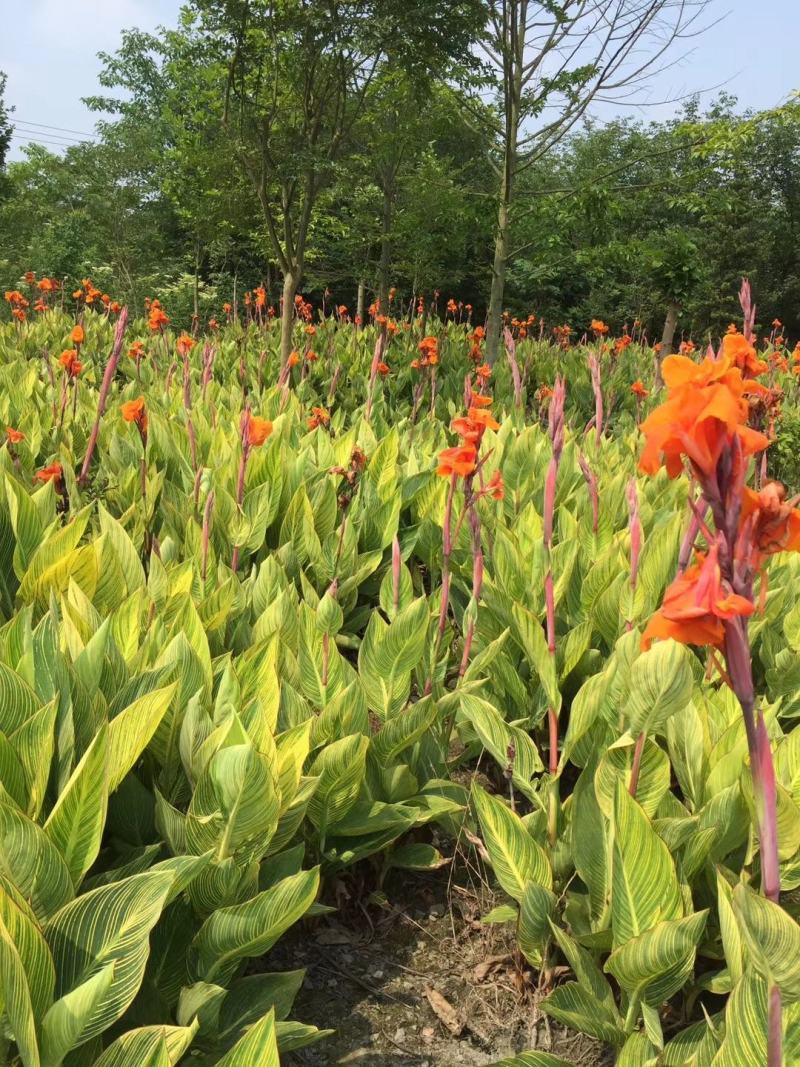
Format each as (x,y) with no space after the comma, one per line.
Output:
(638,389)
(773,525)
(294,359)
(70,362)
(318,417)
(695,606)
(258,430)
(599,327)
(742,354)
(483,418)
(14,436)
(382,369)
(185,344)
(53,473)
(78,335)
(495,486)
(459,461)
(134,411)
(704,409)
(480,401)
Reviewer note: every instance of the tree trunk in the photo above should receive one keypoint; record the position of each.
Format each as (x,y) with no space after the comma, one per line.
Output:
(494,320)
(386,252)
(362,289)
(290,282)
(667,337)
(196,281)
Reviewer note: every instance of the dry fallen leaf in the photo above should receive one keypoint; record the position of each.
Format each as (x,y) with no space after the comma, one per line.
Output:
(445,1011)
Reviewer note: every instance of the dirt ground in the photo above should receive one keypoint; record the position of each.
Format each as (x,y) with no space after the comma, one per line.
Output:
(411,978)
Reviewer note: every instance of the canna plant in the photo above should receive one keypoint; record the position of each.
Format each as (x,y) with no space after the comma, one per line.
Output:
(243,653)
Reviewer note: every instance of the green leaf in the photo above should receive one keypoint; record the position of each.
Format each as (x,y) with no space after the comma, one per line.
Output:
(402,731)
(644,883)
(17,1000)
(75,825)
(258,1047)
(105,930)
(32,863)
(516,857)
(508,745)
(341,768)
(773,940)
(660,686)
(251,929)
(130,732)
(389,653)
(657,963)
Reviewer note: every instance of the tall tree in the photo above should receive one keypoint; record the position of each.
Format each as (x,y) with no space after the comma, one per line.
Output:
(546,63)
(294,78)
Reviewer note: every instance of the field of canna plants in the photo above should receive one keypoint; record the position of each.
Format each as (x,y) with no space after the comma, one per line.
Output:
(276,635)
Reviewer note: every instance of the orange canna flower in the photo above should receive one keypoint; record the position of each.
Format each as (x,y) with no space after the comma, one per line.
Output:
(258,430)
(30,276)
(70,362)
(14,436)
(773,524)
(382,369)
(318,417)
(459,461)
(294,359)
(311,356)
(483,418)
(467,429)
(53,473)
(134,411)
(639,390)
(599,327)
(185,344)
(695,606)
(481,401)
(415,364)
(742,354)
(704,409)
(495,486)
(78,335)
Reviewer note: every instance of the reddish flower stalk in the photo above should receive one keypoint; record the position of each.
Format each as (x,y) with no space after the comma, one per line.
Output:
(377,358)
(511,352)
(108,377)
(208,367)
(447,548)
(697,515)
(635,527)
(594,368)
(556,432)
(243,433)
(187,404)
(591,483)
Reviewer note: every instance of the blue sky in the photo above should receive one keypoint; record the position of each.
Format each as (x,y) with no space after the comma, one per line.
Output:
(51,58)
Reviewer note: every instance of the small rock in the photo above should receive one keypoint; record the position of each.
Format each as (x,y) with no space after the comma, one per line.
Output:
(427,1034)
(399,1034)
(436,910)
(377,974)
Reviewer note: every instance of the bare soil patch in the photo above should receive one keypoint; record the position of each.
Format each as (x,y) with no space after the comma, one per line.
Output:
(414,979)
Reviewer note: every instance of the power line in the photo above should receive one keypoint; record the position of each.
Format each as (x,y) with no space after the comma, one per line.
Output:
(22,131)
(62,129)
(42,140)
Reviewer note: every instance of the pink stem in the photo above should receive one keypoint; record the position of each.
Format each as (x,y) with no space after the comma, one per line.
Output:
(108,377)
